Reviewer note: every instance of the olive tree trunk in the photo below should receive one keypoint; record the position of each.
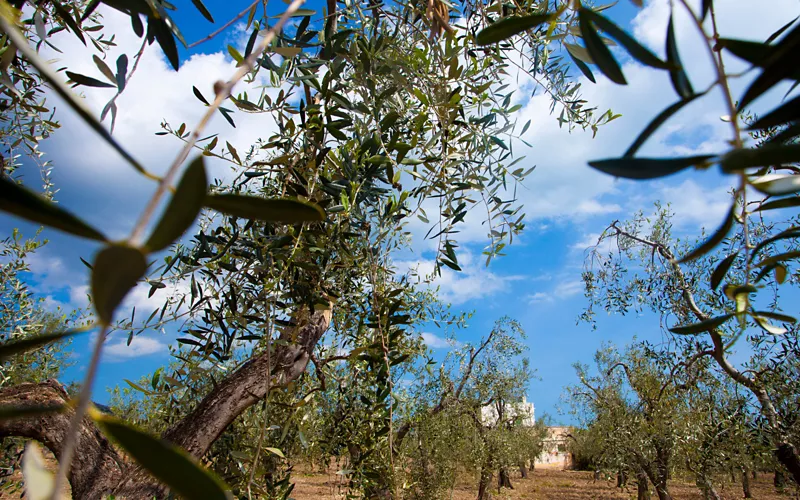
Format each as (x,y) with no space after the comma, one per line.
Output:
(748,493)
(642,486)
(98,470)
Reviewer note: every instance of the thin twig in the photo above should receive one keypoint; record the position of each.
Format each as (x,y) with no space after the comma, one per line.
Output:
(247,65)
(226,25)
(73,433)
(137,57)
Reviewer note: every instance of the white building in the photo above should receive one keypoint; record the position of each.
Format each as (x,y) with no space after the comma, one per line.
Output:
(523,410)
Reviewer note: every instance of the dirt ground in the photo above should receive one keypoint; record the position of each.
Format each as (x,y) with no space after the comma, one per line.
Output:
(544,484)
(547,484)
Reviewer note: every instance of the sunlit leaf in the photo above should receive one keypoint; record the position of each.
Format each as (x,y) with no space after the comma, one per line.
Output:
(116,271)
(19,201)
(183,208)
(571,50)
(777,184)
(702,326)
(273,209)
(647,168)
(39,481)
(276,452)
(769,327)
(168,463)
(287,52)
(103,67)
(780,273)
(510,26)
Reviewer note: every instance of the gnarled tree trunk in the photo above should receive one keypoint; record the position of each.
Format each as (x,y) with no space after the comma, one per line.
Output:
(642,486)
(485,482)
(748,493)
(98,470)
(504,479)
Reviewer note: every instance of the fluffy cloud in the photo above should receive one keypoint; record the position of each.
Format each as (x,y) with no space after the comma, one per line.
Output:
(475,281)
(563,290)
(436,342)
(84,163)
(119,350)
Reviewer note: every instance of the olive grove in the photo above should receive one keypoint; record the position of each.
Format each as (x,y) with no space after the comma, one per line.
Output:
(296,327)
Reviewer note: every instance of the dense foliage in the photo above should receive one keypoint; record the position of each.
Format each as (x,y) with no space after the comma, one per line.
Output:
(298,334)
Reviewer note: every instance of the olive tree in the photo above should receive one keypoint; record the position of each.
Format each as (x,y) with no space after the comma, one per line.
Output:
(299,243)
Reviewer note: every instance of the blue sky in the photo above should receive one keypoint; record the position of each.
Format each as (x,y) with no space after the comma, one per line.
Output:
(567,204)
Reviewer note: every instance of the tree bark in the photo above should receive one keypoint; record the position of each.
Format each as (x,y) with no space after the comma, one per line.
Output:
(622,479)
(705,486)
(485,482)
(788,456)
(504,479)
(746,483)
(98,470)
(642,486)
(523,471)
(779,480)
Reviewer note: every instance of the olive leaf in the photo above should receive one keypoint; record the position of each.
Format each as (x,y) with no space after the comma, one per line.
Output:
(510,26)
(168,463)
(680,81)
(183,208)
(272,209)
(600,54)
(765,156)
(11,348)
(702,326)
(18,200)
(117,269)
(721,270)
(647,168)
(634,48)
(712,241)
(656,123)
(203,10)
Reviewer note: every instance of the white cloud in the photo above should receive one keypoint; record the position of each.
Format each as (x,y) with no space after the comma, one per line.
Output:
(563,290)
(695,206)
(474,281)
(155,93)
(140,346)
(436,342)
